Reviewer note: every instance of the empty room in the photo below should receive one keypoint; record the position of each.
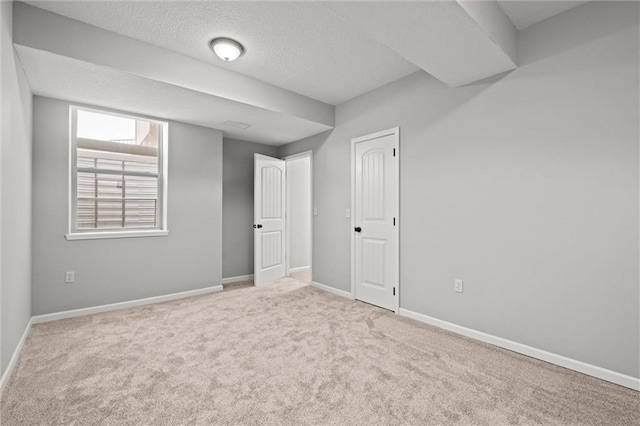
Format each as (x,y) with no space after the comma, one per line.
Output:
(320,212)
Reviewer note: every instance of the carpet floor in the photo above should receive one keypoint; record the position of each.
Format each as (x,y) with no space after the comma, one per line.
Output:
(288,353)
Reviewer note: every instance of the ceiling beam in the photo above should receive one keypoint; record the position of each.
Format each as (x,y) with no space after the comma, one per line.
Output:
(495,23)
(458,42)
(46,31)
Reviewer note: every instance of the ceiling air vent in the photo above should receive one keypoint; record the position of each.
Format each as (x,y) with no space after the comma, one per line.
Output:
(237,124)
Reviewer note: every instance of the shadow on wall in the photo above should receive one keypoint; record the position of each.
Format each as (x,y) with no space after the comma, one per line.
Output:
(312,143)
(552,40)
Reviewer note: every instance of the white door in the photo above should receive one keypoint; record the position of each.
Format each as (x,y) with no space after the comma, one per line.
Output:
(375,218)
(268,219)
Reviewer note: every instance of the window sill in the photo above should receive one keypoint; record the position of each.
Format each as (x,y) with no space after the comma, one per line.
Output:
(116,234)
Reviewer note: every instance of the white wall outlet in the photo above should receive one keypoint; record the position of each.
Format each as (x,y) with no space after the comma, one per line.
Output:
(315,211)
(458,285)
(347,213)
(69,276)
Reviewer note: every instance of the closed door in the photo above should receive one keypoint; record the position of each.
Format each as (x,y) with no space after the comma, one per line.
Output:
(269,223)
(375,219)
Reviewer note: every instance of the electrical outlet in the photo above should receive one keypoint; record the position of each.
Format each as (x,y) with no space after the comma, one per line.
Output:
(315,211)
(458,285)
(69,276)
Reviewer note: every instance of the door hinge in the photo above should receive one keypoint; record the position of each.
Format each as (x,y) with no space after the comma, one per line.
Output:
(394,152)
(394,221)
(394,291)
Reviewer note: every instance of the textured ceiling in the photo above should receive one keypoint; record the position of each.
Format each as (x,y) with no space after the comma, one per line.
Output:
(438,36)
(329,51)
(299,46)
(77,81)
(152,57)
(526,13)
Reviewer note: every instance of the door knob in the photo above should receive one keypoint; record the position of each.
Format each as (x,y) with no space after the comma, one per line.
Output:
(357,229)
(257,226)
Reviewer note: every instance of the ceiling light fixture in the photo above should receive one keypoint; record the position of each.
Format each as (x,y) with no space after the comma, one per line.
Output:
(226,48)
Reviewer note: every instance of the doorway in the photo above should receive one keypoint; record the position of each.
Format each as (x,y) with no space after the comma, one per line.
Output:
(375,259)
(299,216)
(282,217)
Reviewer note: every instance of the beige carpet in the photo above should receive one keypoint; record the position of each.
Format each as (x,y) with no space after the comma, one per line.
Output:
(290,354)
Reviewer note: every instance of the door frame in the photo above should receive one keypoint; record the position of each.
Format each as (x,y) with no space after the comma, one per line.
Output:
(287,159)
(395,131)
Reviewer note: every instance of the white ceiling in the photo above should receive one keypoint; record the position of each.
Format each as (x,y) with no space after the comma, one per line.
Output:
(526,13)
(302,57)
(441,37)
(298,46)
(305,46)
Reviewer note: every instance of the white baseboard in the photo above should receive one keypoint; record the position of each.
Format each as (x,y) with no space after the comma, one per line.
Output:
(299,268)
(332,290)
(122,305)
(94,310)
(572,364)
(230,280)
(14,358)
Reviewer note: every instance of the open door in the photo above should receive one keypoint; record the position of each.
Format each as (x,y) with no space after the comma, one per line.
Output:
(268,219)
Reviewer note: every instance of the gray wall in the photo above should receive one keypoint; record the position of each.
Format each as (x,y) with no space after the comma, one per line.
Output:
(15,194)
(525,186)
(299,214)
(237,232)
(115,270)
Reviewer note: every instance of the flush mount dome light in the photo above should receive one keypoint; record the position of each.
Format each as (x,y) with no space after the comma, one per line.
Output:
(226,48)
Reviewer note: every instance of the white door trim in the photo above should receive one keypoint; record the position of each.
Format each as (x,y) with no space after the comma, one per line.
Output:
(288,207)
(395,131)
(303,154)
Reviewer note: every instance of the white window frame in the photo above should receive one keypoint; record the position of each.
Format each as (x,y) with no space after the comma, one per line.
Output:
(92,234)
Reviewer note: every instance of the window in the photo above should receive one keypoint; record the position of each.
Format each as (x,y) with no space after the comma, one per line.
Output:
(118,175)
